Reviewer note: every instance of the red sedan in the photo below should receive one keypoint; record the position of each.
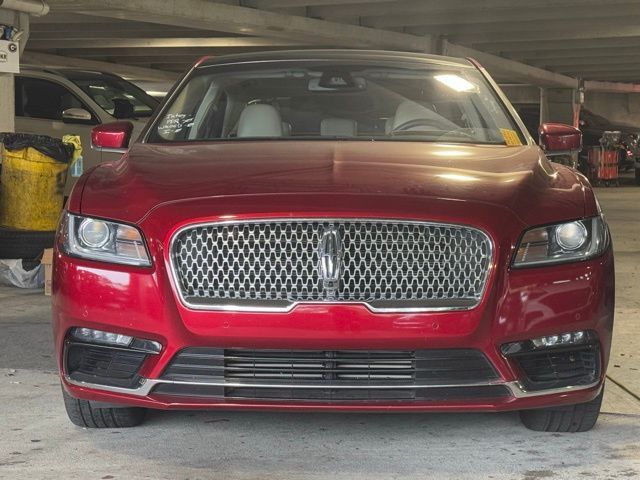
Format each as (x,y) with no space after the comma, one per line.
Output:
(337,231)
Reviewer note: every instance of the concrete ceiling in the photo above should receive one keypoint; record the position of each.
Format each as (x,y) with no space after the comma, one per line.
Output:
(560,40)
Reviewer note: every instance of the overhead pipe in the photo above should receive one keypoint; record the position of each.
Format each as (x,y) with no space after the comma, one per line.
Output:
(37,8)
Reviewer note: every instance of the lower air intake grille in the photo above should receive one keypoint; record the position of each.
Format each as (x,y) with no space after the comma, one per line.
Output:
(103,365)
(336,395)
(330,375)
(555,369)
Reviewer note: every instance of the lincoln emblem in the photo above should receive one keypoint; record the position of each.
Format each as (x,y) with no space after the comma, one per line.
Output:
(330,260)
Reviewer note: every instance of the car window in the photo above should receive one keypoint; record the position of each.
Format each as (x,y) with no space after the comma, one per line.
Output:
(116,96)
(294,100)
(38,98)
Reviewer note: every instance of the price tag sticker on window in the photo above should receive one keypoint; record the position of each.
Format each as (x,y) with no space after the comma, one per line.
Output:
(511,137)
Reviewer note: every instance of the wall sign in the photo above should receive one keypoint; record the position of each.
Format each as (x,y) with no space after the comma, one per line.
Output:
(9,57)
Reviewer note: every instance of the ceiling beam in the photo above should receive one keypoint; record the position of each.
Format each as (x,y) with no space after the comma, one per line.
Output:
(578,69)
(505,18)
(68,17)
(590,31)
(611,87)
(605,60)
(126,71)
(67,32)
(614,76)
(517,47)
(543,55)
(167,42)
(348,8)
(207,15)
(513,70)
(274,4)
(482,32)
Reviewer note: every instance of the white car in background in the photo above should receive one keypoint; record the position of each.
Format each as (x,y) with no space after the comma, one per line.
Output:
(57,102)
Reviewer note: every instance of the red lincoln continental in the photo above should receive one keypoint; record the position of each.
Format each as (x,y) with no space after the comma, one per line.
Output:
(338,231)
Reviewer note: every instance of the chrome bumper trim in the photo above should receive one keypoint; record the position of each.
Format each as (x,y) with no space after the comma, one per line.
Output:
(519,391)
(148,384)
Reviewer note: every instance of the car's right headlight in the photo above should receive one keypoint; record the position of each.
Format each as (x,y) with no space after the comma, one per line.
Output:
(562,242)
(103,240)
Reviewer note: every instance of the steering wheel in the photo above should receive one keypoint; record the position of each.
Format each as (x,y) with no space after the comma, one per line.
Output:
(416,122)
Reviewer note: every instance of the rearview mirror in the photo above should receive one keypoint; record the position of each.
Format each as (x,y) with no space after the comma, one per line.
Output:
(337,84)
(559,139)
(77,115)
(112,137)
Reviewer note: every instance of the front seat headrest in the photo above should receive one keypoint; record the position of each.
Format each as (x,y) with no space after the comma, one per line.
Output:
(260,120)
(338,127)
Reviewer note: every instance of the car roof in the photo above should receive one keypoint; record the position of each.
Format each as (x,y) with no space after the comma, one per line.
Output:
(64,72)
(333,54)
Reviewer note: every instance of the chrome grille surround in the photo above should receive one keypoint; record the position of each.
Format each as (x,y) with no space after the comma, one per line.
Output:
(388,265)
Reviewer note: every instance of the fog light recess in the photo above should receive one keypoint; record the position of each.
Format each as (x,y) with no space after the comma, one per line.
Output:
(106,358)
(100,337)
(561,360)
(560,340)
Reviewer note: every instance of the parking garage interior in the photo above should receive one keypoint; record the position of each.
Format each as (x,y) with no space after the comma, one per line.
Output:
(572,62)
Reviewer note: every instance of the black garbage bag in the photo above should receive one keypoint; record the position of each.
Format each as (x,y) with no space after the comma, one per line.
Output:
(49,146)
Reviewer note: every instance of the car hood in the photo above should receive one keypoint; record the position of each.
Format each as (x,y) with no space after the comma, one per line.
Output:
(152,175)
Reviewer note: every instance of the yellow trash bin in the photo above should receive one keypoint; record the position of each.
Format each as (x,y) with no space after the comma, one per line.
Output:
(32,188)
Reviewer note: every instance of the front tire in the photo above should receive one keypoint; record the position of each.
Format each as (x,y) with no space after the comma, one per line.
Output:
(83,414)
(570,418)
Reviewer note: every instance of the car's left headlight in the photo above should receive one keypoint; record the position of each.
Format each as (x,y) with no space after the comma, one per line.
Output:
(102,240)
(562,242)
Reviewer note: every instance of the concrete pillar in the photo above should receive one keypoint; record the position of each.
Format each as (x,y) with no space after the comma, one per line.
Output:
(7,107)
(561,105)
(558,105)
(544,106)
(7,100)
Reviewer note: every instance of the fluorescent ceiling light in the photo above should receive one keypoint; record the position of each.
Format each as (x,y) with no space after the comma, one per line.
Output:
(456,83)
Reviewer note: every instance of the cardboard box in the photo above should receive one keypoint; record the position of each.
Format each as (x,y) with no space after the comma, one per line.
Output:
(47,262)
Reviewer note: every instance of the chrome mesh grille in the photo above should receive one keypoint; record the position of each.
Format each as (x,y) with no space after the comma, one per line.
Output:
(385,264)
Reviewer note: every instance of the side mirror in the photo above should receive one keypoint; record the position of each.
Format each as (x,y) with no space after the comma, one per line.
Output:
(559,139)
(111,137)
(77,115)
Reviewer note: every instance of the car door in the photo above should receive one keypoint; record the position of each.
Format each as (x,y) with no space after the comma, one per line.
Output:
(39,106)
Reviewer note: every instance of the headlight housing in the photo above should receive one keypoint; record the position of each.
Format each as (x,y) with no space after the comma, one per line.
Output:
(102,240)
(562,242)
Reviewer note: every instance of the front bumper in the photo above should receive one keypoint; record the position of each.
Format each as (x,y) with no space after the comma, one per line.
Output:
(520,305)
(519,399)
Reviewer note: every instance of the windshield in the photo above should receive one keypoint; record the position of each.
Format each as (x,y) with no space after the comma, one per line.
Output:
(117,96)
(333,100)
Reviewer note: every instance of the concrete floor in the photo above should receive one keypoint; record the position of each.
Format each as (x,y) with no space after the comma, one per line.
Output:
(37,441)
